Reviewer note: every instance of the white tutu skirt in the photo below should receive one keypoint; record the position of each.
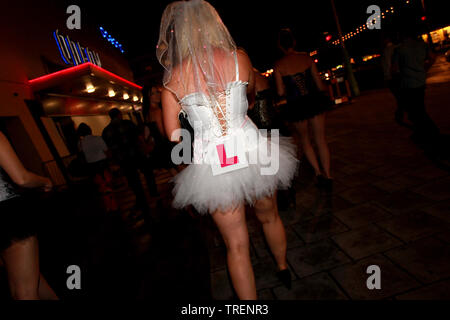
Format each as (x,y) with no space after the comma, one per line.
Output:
(197,186)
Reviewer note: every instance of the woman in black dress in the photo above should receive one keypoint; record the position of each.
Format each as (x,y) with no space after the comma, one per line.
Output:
(262,111)
(18,243)
(298,80)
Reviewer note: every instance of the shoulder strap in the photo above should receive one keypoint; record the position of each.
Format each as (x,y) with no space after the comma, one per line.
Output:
(237,65)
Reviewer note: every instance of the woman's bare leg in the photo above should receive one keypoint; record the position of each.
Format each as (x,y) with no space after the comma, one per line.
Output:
(22,267)
(45,291)
(318,127)
(302,127)
(233,227)
(266,210)
(26,282)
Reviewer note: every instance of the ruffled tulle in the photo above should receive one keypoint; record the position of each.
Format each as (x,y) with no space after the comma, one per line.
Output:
(197,186)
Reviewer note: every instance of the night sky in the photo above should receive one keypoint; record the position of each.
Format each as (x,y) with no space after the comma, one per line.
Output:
(254,24)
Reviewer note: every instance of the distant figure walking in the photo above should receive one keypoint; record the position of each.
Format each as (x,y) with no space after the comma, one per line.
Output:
(126,145)
(412,59)
(95,150)
(297,79)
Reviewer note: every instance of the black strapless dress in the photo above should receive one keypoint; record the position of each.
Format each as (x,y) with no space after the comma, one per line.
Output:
(18,218)
(304,100)
(262,113)
(161,155)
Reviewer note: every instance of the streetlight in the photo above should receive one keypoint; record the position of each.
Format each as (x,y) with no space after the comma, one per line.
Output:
(348,66)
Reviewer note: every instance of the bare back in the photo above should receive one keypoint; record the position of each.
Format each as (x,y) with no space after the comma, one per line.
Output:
(293,63)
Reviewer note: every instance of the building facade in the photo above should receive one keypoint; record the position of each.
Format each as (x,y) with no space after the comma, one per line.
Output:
(52,78)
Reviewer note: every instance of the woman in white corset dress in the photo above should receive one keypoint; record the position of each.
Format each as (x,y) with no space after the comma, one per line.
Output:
(233,164)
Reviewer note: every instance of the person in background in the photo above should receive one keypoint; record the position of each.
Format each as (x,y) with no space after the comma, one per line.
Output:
(126,145)
(412,59)
(392,79)
(298,79)
(95,150)
(154,134)
(18,242)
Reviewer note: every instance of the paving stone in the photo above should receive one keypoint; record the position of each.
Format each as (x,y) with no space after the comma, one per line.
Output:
(221,286)
(217,258)
(387,170)
(265,295)
(427,259)
(265,271)
(365,241)
(362,194)
(429,172)
(362,215)
(444,236)
(296,215)
(403,201)
(293,240)
(356,180)
(437,190)
(440,210)
(319,228)
(398,182)
(306,199)
(259,245)
(353,279)
(435,291)
(413,225)
(316,287)
(339,187)
(338,204)
(355,168)
(316,257)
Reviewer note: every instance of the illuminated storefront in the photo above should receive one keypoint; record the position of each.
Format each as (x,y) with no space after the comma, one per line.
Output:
(439,35)
(52,79)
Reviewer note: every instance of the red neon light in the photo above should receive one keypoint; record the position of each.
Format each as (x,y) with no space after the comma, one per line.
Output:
(80,67)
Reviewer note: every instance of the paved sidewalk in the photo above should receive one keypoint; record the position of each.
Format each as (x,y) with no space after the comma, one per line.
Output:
(390,207)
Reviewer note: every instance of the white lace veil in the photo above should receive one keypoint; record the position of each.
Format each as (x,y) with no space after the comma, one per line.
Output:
(196,50)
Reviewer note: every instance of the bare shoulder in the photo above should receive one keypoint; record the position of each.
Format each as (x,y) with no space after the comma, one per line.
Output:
(243,58)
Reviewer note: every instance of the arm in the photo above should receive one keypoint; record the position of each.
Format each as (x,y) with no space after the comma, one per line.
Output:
(17,172)
(316,77)
(281,90)
(246,64)
(171,109)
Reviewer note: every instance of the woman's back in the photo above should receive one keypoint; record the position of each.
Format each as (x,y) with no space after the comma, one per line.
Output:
(293,63)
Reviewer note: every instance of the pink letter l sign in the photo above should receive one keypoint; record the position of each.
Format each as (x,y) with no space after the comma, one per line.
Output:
(224,161)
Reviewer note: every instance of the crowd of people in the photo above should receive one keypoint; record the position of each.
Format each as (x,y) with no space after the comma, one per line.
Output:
(224,98)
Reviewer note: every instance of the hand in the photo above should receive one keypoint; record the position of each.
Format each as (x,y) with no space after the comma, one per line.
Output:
(48,185)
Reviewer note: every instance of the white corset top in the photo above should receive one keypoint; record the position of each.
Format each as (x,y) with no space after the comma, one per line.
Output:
(207,127)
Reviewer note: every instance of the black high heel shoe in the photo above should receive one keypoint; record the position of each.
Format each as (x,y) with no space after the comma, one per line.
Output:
(285,277)
(325,184)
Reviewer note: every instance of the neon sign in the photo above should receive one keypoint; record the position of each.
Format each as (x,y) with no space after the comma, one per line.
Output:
(73,53)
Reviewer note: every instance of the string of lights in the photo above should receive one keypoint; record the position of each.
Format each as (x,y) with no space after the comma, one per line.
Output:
(110,39)
(352,34)
(363,27)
